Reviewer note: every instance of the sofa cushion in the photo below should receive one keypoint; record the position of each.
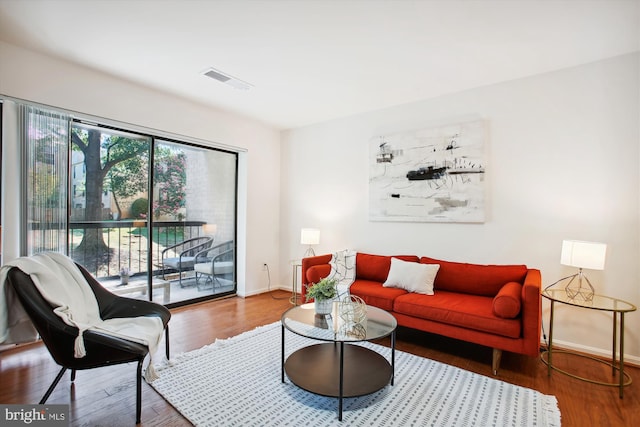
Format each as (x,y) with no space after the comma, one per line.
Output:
(373,293)
(376,267)
(475,279)
(507,303)
(464,310)
(411,276)
(317,272)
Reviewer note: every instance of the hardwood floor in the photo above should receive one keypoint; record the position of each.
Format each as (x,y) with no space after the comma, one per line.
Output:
(106,396)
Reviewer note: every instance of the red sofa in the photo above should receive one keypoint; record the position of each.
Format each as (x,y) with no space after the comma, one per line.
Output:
(498,306)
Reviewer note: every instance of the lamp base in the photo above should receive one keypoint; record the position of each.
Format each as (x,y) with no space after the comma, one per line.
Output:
(578,291)
(309,253)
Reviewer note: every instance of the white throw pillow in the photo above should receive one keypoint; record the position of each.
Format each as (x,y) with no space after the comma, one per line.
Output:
(412,276)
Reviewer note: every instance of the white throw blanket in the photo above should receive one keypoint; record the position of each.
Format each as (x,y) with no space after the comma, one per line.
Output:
(61,283)
(343,270)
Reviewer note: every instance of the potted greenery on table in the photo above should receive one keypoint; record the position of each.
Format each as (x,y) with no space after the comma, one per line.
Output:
(323,293)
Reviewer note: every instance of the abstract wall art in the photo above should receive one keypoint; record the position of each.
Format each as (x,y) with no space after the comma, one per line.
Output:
(435,174)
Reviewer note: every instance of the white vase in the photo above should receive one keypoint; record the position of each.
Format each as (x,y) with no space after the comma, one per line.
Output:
(323,306)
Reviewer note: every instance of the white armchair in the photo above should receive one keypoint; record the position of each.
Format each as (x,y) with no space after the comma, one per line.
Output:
(181,256)
(215,262)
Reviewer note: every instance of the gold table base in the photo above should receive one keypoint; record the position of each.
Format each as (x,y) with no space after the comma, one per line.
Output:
(589,380)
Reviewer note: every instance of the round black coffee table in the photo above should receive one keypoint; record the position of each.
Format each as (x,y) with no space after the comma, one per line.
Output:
(335,368)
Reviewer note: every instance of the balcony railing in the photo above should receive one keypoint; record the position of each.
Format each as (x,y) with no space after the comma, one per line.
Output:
(126,244)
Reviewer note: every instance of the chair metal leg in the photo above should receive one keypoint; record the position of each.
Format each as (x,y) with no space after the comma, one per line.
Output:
(215,280)
(139,391)
(166,340)
(52,386)
(198,277)
(73,375)
(180,271)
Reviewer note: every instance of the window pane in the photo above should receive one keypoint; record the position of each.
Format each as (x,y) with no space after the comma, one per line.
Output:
(194,220)
(109,193)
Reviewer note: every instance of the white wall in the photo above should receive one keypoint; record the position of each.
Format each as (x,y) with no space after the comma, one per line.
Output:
(38,78)
(563,159)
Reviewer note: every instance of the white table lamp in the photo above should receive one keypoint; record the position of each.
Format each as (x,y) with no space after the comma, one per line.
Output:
(309,236)
(209,229)
(589,255)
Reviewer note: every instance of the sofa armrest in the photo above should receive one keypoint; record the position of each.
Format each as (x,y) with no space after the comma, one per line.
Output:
(532,311)
(307,263)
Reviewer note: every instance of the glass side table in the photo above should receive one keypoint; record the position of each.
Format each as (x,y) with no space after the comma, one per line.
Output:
(618,308)
(334,367)
(295,264)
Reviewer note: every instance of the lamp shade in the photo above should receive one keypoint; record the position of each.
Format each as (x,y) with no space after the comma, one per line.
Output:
(209,229)
(590,255)
(310,236)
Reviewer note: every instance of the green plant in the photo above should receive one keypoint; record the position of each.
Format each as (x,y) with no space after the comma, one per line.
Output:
(139,208)
(323,290)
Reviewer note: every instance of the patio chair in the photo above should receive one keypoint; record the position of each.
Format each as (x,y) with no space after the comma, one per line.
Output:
(101,349)
(214,263)
(186,251)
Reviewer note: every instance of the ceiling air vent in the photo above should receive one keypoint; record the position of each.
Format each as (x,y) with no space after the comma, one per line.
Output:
(227,79)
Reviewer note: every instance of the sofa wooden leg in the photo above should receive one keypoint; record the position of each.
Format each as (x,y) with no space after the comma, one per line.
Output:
(495,364)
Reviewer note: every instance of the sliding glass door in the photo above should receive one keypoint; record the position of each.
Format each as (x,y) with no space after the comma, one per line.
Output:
(150,218)
(194,220)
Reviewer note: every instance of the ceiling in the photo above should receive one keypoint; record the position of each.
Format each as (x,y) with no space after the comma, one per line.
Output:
(316,60)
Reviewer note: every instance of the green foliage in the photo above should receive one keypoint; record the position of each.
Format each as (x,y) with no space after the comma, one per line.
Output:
(47,186)
(139,208)
(170,178)
(128,177)
(161,235)
(46,140)
(323,290)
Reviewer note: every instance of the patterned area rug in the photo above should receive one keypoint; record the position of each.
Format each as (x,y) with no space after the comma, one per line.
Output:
(237,382)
